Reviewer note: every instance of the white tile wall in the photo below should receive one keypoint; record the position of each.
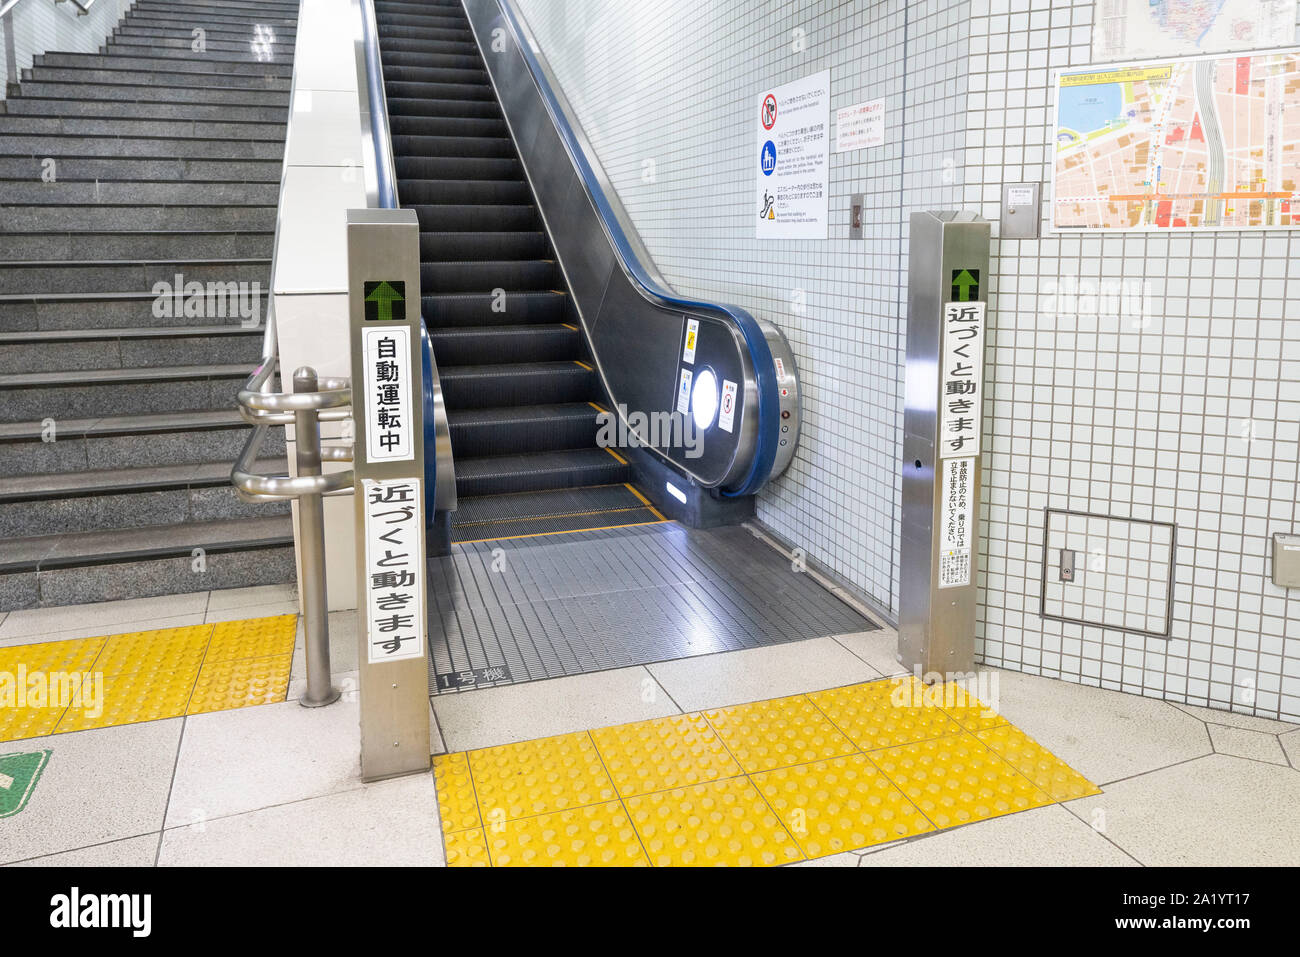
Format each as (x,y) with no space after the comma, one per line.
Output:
(42,25)
(1136,409)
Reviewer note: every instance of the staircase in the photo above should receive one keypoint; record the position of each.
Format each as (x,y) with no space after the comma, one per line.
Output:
(520,388)
(120,171)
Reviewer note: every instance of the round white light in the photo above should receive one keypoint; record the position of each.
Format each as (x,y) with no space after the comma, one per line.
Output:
(704,399)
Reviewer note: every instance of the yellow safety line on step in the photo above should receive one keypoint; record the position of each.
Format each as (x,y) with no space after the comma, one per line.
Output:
(571,531)
(621,460)
(584,365)
(645,500)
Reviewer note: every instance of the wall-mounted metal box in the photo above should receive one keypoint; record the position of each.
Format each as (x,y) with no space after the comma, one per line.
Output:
(1286,560)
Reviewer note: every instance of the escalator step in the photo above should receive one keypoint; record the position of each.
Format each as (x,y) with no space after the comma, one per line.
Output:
(459,168)
(483,276)
(463,192)
(453,247)
(475,309)
(462,217)
(444,109)
(447,126)
(533,428)
(473,345)
(493,386)
(413,147)
(537,472)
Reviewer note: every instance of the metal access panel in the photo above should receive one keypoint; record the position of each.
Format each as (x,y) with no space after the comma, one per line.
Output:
(387,406)
(947,318)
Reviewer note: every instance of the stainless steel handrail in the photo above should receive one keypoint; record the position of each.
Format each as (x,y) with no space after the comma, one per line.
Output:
(82,8)
(381,174)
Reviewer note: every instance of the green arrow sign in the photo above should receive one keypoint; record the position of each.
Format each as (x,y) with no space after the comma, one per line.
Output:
(18,776)
(385,301)
(965,285)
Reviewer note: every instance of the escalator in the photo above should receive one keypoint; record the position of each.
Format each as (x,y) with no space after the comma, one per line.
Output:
(549,327)
(520,386)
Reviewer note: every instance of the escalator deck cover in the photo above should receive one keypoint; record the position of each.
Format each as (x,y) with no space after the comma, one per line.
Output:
(528,609)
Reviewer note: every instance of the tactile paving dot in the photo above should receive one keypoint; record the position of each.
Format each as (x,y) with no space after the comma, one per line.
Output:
(1050,773)
(19,723)
(840,805)
(137,696)
(956,780)
(720,823)
(467,849)
(168,649)
(457,805)
(535,777)
(227,685)
(882,714)
(253,638)
(964,708)
(76,655)
(665,753)
(596,836)
(777,734)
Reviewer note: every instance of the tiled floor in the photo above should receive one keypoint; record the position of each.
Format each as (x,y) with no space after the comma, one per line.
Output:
(281,784)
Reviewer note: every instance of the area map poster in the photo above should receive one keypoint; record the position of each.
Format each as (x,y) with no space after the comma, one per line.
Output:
(1199,143)
(1138,29)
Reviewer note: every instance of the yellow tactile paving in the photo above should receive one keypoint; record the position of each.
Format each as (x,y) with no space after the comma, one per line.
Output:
(779,733)
(148,675)
(145,695)
(596,836)
(535,777)
(257,638)
(17,723)
(965,708)
(227,685)
(1060,781)
(775,782)
(840,805)
(467,849)
(175,649)
(76,655)
(720,823)
(883,714)
(956,780)
(665,753)
(457,803)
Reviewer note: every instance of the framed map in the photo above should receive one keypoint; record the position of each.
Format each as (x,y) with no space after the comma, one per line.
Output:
(1199,143)
(1136,29)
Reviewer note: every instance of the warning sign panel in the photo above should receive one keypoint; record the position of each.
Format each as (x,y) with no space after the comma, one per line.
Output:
(956,522)
(792,159)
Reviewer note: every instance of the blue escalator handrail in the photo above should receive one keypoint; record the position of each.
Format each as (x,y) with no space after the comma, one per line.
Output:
(387,183)
(769,410)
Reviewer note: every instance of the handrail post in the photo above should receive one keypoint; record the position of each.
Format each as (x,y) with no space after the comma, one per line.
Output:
(311,521)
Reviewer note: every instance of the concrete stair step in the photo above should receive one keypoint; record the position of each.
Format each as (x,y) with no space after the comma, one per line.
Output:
(151,110)
(118,246)
(127,441)
(153,78)
(127,60)
(238,277)
(81,567)
(122,91)
(111,193)
(161,54)
(39,505)
(125,310)
(122,169)
(64,350)
(159,129)
(41,145)
(39,396)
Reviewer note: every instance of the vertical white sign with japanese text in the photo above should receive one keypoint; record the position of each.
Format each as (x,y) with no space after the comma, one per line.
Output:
(792,159)
(961,393)
(394,585)
(956,522)
(388,394)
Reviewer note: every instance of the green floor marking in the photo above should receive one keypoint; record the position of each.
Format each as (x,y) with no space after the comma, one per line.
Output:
(18,776)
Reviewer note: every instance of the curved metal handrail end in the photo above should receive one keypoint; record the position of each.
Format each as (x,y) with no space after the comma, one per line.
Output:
(283,487)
